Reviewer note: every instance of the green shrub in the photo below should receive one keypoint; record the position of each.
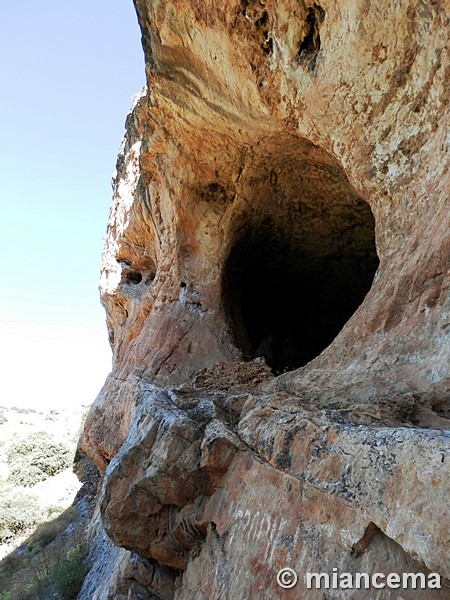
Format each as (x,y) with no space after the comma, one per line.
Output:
(22,473)
(36,458)
(18,512)
(69,574)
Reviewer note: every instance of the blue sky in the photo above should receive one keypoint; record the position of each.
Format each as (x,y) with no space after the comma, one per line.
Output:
(68,71)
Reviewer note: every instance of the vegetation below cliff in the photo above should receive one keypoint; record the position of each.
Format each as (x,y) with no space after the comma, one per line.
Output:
(44,511)
(50,564)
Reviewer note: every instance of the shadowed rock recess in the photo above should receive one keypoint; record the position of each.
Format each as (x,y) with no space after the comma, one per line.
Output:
(277,289)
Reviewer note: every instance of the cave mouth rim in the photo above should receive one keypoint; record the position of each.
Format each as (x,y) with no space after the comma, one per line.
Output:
(253,239)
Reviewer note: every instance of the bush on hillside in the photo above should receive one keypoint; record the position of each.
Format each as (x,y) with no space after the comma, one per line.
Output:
(18,512)
(52,563)
(26,475)
(70,573)
(36,458)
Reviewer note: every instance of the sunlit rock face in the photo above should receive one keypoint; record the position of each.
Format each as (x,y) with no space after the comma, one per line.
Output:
(277,288)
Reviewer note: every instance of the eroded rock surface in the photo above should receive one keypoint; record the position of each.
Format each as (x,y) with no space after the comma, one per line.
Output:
(277,287)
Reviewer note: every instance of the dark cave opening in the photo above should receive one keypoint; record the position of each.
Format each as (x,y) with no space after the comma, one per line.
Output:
(298,269)
(289,306)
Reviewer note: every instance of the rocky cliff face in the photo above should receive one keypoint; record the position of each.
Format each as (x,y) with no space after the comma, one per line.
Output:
(277,287)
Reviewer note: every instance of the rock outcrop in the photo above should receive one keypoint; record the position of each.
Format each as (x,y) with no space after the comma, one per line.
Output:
(277,287)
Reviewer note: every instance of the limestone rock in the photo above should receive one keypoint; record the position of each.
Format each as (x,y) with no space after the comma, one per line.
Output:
(277,287)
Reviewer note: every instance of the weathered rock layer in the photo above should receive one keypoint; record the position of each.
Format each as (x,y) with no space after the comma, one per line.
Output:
(277,287)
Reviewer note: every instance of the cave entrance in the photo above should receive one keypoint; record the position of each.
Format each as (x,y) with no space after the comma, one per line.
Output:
(301,260)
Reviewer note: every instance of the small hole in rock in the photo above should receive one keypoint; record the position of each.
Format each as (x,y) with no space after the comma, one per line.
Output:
(182,284)
(244,5)
(310,46)
(267,47)
(214,192)
(134,277)
(263,20)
